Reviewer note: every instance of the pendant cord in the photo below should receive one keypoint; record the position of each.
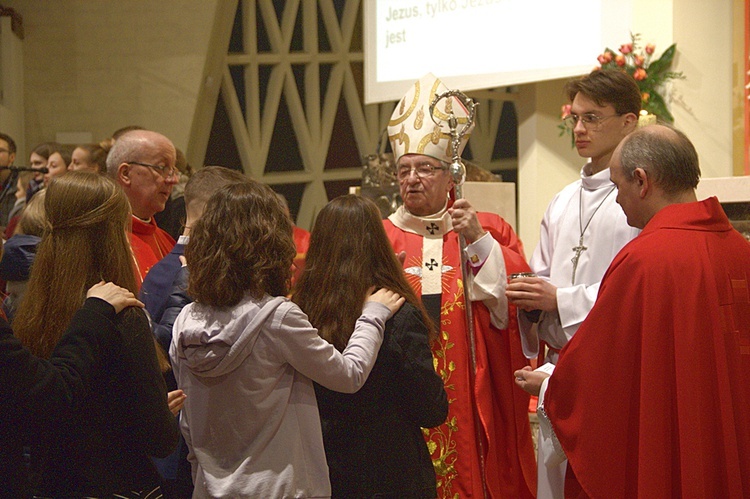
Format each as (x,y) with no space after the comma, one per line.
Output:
(581,248)
(580,210)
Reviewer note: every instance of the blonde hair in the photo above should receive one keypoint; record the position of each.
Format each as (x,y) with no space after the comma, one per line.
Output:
(33,219)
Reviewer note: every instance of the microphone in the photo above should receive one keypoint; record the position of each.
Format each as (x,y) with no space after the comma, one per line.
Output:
(25,169)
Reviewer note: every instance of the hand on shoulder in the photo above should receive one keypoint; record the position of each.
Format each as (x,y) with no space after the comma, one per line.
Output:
(389,298)
(119,298)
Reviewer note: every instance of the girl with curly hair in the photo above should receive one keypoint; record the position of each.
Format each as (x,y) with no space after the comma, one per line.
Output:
(247,357)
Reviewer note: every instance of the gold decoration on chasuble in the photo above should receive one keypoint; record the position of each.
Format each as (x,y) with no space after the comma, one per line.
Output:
(441,442)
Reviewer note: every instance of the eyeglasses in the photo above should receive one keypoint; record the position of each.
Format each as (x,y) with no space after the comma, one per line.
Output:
(164,171)
(422,170)
(590,121)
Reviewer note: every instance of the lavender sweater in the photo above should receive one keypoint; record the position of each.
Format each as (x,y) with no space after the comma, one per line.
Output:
(251,419)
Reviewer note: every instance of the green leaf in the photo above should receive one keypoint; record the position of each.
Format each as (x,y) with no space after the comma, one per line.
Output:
(657,106)
(663,63)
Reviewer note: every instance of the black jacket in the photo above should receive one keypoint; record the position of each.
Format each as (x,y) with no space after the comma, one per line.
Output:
(373,438)
(104,446)
(36,392)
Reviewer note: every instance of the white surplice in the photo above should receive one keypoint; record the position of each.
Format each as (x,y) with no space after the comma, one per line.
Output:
(607,232)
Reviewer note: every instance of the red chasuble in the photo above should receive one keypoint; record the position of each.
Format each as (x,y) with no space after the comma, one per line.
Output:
(651,397)
(147,236)
(501,408)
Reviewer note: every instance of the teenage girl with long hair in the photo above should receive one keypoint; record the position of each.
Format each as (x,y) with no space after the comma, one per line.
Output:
(104,448)
(373,438)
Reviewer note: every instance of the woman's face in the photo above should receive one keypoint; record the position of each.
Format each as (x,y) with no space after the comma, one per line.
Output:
(36,161)
(56,166)
(81,161)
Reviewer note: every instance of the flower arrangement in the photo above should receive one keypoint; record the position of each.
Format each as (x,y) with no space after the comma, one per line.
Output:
(650,74)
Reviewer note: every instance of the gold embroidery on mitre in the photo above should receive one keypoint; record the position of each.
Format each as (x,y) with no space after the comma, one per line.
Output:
(426,141)
(449,105)
(405,114)
(400,137)
(419,120)
(436,132)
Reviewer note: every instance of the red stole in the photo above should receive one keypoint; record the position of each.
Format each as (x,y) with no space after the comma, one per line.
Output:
(510,466)
(302,242)
(651,397)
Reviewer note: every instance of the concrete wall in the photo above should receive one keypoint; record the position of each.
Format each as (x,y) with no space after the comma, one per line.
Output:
(11,85)
(93,66)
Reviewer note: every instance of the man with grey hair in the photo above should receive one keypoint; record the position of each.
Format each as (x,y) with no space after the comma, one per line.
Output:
(142,162)
(650,398)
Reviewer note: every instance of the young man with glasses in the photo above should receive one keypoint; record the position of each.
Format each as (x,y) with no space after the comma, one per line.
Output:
(142,162)
(484,449)
(582,230)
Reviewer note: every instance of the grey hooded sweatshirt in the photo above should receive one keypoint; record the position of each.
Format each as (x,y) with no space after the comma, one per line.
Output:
(250,418)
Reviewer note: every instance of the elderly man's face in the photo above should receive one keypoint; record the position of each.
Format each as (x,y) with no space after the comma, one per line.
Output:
(150,189)
(426,194)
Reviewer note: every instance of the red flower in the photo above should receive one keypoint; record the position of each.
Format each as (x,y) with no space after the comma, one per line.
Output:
(620,60)
(645,96)
(639,60)
(565,111)
(605,58)
(626,48)
(640,74)
(650,48)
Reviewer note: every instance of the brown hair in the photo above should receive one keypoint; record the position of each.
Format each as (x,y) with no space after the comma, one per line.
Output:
(242,244)
(98,154)
(204,183)
(84,243)
(33,219)
(45,149)
(608,86)
(349,252)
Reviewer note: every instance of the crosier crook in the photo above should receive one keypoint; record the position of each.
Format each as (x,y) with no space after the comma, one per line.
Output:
(458,173)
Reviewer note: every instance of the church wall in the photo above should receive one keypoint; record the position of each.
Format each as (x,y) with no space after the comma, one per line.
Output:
(702,103)
(93,66)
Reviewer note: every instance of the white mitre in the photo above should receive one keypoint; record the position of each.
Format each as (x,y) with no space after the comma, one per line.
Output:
(411,130)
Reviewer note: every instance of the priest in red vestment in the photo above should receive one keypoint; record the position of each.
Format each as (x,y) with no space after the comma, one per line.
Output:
(651,397)
(142,162)
(484,449)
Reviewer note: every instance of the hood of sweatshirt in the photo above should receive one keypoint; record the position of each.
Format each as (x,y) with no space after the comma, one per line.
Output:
(213,342)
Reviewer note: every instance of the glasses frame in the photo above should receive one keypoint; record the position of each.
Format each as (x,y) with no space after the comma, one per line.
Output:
(173,172)
(415,169)
(589,121)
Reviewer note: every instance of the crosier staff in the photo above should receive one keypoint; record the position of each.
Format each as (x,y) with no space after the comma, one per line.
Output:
(457,170)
